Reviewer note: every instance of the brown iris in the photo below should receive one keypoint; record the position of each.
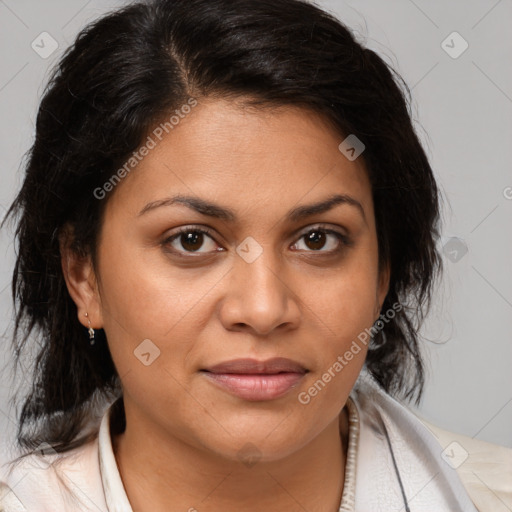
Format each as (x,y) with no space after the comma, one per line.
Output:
(315,239)
(192,240)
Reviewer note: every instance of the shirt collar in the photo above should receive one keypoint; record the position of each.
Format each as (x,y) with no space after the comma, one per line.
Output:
(115,494)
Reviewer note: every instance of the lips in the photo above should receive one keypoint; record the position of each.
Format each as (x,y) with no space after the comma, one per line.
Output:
(255,380)
(255,367)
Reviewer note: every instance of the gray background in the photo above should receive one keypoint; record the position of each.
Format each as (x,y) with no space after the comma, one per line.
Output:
(463,110)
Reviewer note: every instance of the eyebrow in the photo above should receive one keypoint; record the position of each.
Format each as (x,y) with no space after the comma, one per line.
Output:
(214,210)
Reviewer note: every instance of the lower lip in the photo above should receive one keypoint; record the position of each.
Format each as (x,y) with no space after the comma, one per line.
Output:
(256,387)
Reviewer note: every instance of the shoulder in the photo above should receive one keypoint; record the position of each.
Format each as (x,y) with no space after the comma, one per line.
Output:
(476,474)
(49,482)
(484,468)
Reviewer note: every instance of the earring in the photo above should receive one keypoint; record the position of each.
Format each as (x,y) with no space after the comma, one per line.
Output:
(383,340)
(90,330)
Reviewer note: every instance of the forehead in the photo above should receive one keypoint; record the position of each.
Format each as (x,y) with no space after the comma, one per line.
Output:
(251,157)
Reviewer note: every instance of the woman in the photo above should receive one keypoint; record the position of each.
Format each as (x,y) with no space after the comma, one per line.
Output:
(227,243)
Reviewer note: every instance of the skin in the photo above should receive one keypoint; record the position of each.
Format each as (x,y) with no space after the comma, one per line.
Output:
(297,300)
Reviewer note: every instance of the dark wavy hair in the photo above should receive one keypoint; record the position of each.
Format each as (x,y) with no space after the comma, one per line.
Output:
(127,71)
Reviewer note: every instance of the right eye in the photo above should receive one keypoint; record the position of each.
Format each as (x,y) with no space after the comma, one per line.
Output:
(190,239)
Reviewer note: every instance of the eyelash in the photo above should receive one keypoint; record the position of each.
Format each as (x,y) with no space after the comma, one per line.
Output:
(344,240)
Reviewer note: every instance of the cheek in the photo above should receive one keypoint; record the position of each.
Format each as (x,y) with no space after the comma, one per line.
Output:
(145,293)
(346,300)
(343,314)
(344,307)
(144,297)
(344,321)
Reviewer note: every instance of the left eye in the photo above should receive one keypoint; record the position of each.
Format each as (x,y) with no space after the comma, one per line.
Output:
(319,238)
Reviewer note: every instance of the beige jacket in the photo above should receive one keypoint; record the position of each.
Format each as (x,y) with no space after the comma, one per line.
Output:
(486,472)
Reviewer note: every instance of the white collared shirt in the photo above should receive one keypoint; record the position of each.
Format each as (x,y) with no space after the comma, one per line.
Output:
(394,462)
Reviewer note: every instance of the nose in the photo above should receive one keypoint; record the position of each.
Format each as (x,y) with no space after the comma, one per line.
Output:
(259,298)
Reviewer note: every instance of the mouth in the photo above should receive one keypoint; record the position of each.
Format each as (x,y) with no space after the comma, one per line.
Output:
(272,366)
(254,380)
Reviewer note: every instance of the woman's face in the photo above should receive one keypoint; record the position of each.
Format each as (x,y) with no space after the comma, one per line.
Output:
(272,278)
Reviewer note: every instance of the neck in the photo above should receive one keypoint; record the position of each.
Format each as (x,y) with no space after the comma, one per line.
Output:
(165,474)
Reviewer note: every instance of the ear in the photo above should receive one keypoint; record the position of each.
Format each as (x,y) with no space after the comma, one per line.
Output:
(382,285)
(80,280)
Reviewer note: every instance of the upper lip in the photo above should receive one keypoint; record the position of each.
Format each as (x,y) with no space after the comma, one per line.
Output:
(253,366)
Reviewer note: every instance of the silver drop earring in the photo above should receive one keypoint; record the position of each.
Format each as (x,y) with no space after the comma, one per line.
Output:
(90,330)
